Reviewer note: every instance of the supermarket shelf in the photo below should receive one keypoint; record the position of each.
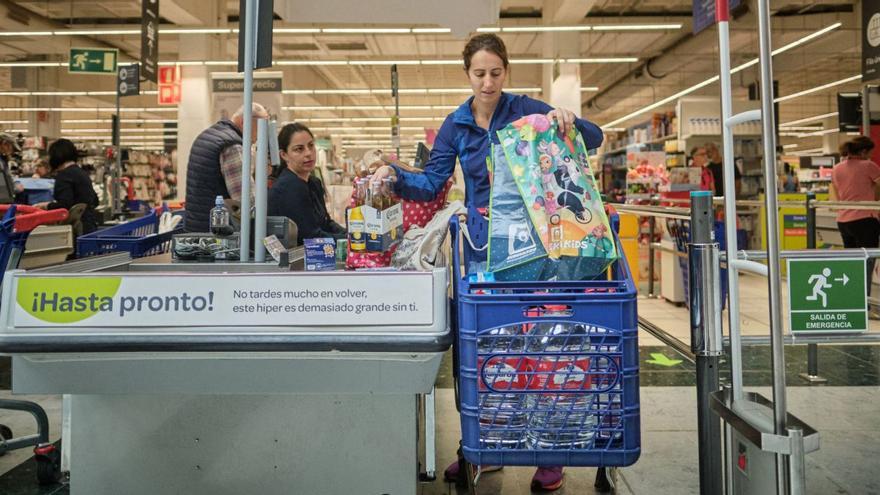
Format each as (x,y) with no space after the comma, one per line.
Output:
(646,143)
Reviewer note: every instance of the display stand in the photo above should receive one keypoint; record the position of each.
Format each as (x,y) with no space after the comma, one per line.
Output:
(217,399)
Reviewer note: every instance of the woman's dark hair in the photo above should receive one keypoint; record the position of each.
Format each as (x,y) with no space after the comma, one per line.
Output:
(61,151)
(857,146)
(489,42)
(287,133)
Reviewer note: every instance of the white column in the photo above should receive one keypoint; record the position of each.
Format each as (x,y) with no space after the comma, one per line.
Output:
(193,116)
(46,124)
(561,82)
(830,142)
(194,113)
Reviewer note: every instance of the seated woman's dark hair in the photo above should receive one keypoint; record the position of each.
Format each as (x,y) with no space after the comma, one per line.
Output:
(857,146)
(61,151)
(287,133)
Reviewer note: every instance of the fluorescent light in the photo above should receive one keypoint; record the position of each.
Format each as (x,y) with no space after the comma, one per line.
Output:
(33,64)
(819,133)
(442,62)
(714,79)
(16,131)
(124,121)
(590,88)
(801,128)
(857,77)
(541,29)
(13,122)
(533,61)
(95,32)
(809,119)
(25,33)
(601,60)
(662,102)
(431,30)
(365,30)
(789,146)
(367,107)
(66,93)
(310,62)
(88,110)
(489,30)
(132,130)
(636,27)
(385,62)
(296,30)
(195,30)
(369,119)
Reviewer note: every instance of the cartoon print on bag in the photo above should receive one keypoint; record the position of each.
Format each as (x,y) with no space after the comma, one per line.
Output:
(596,244)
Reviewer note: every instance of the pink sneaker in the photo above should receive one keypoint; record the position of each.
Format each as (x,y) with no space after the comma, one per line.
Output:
(452,472)
(548,479)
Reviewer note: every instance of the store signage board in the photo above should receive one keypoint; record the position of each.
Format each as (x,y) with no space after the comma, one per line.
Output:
(236,84)
(128,80)
(169,85)
(93,60)
(249,301)
(150,38)
(827,296)
(704,13)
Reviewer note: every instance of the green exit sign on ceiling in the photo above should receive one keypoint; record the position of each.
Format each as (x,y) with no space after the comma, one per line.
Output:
(93,60)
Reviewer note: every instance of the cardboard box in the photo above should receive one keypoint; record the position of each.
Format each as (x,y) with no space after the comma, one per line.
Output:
(320,254)
(383,228)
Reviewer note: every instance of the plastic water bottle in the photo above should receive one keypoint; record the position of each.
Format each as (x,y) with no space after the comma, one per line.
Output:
(561,420)
(220,224)
(503,416)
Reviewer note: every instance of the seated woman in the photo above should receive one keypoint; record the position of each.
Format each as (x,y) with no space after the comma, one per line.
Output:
(298,195)
(72,184)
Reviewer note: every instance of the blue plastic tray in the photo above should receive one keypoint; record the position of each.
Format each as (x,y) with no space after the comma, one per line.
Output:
(139,237)
(592,385)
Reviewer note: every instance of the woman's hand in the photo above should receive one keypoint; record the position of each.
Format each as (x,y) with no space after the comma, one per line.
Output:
(383,172)
(564,118)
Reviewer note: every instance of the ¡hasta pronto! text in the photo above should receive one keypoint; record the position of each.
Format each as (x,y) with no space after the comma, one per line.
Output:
(55,303)
(352,301)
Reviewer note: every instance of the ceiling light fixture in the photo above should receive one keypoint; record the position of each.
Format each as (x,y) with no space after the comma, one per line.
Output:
(818,88)
(809,119)
(714,79)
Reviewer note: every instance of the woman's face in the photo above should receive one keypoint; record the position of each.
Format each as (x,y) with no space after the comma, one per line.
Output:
(486,76)
(300,153)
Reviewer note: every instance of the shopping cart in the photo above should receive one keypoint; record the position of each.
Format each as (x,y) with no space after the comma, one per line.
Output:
(140,237)
(679,230)
(17,222)
(547,371)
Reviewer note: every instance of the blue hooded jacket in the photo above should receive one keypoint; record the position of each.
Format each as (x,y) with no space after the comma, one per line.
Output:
(461,137)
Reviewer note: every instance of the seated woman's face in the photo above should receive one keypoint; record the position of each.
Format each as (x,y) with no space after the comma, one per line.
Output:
(300,153)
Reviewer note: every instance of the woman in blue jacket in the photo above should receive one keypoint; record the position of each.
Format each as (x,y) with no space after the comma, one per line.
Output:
(467,134)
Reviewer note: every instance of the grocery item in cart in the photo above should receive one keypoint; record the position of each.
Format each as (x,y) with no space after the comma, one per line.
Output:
(563,416)
(556,186)
(503,414)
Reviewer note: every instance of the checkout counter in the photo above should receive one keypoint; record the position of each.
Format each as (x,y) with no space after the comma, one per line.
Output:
(229,377)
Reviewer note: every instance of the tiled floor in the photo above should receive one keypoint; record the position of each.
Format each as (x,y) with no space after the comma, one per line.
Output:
(846,412)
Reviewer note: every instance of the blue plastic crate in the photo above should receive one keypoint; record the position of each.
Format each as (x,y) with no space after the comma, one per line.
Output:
(139,237)
(575,406)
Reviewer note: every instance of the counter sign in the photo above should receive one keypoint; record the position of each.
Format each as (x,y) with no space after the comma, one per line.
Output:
(827,296)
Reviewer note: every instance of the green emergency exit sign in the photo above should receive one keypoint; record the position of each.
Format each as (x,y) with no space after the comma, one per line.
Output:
(93,60)
(827,296)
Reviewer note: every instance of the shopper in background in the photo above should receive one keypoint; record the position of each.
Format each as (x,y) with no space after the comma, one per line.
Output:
(716,165)
(296,193)
(214,167)
(700,159)
(857,178)
(8,146)
(788,181)
(466,135)
(72,184)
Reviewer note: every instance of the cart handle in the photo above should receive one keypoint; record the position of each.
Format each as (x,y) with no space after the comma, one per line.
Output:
(26,218)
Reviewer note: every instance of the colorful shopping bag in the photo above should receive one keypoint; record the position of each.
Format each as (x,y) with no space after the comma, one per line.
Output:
(558,191)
